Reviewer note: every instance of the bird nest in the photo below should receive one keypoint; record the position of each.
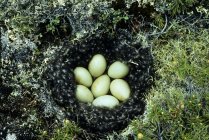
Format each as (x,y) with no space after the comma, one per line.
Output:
(61,80)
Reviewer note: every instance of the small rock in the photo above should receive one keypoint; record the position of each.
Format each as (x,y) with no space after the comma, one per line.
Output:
(97,65)
(82,76)
(118,70)
(107,101)
(120,89)
(83,94)
(101,86)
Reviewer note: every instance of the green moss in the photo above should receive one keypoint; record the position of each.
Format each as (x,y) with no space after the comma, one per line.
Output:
(175,7)
(184,58)
(26,17)
(69,130)
(172,114)
(51,27)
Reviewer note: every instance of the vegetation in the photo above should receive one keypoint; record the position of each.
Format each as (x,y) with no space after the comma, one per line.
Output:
(68,131)
(176,31)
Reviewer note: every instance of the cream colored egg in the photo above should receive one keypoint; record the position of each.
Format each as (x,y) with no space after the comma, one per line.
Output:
(107,101)
(83,94)
(101,86)
(118,70)
(82,76)
(120,89)
(97,65)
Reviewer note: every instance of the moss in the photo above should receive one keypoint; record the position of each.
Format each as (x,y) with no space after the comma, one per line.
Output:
(68,130)
(26,17)
(177,117)
(176,7)
(185,58)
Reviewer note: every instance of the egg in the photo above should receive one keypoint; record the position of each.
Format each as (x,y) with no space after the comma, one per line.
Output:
(82,76)
(83,94)
(101,86)
(97,65)
(106,101)
(120,89)
(118,70)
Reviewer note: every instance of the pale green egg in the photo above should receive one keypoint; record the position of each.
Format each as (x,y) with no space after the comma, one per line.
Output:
(120,89)
(118,70)
(97,65)
(83,94)
(82,76)
(106,101)
(101,86)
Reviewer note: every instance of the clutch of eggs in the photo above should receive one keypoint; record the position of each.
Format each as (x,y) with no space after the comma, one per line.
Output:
(93,85)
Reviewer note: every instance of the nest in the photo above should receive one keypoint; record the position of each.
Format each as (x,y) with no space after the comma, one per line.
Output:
(61,81)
